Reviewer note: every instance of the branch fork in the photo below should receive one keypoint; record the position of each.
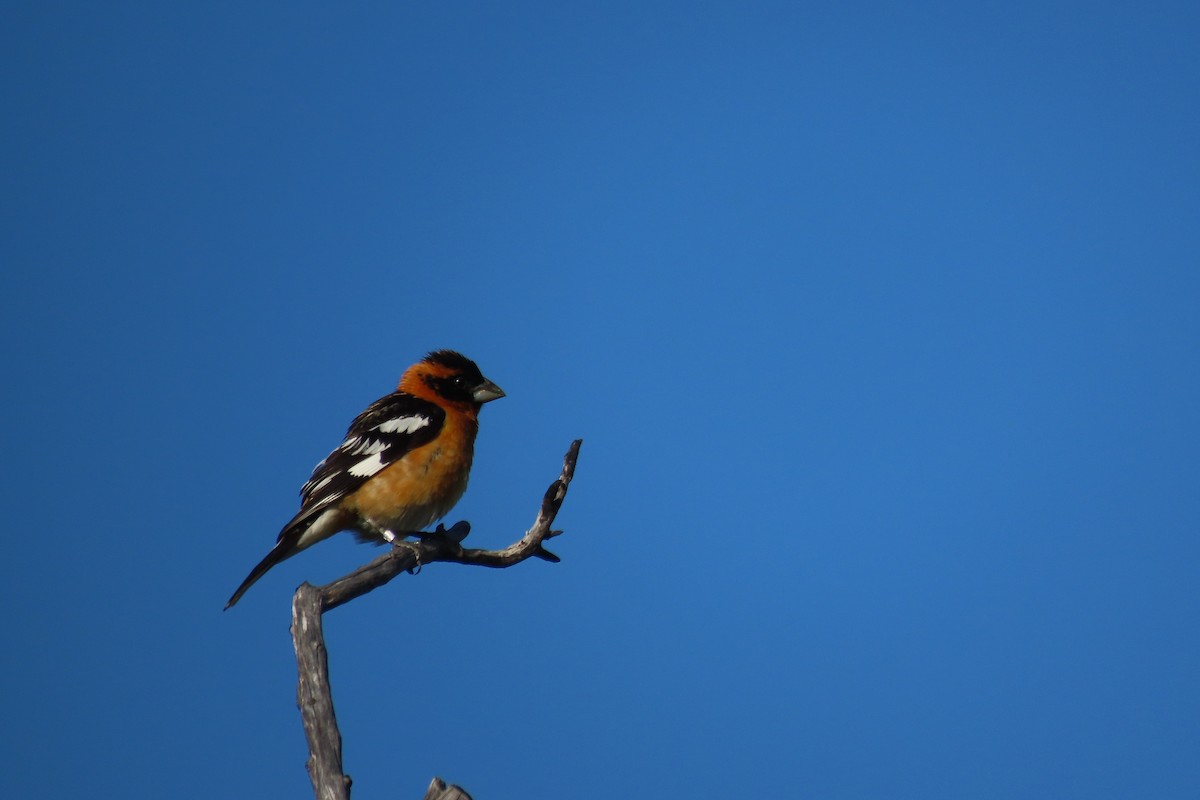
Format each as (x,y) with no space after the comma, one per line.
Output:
(313,695)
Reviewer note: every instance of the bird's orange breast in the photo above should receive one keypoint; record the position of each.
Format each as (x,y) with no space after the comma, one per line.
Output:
(422,486)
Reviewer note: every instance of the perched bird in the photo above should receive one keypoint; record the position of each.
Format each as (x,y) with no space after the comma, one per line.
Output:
(403,465)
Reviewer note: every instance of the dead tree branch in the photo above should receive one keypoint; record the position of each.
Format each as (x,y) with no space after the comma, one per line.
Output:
(313,695)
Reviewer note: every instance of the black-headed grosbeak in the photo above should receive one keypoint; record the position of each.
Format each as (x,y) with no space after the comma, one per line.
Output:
(403,465)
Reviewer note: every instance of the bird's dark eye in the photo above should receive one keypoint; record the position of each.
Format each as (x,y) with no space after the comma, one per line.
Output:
(456,386)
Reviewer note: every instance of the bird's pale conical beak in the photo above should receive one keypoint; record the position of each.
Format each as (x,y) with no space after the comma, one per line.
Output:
(486,392)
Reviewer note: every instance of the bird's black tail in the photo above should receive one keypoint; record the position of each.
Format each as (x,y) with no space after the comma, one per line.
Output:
(278,553)
(291,541)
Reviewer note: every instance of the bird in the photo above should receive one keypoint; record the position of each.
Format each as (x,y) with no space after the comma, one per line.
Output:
(402,466)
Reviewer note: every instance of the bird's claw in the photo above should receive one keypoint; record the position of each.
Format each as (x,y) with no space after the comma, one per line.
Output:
(415,547)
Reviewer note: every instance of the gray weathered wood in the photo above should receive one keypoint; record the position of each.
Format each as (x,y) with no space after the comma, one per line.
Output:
(438,790)
(314,698)
(313,694)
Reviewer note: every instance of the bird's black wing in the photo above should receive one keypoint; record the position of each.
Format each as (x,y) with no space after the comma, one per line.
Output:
(384,433)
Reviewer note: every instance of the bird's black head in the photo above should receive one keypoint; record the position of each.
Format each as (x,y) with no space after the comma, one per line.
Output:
(452,376)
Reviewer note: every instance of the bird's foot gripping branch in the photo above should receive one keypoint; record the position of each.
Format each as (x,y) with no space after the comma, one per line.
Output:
(310,602)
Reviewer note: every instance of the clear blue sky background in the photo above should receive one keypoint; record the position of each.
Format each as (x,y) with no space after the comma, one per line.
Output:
(879,322)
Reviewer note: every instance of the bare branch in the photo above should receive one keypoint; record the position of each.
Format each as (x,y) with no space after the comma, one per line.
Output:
(315,699)
(313,695)
(443,545)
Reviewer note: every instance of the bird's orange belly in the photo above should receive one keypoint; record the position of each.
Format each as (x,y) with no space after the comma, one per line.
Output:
(416,491)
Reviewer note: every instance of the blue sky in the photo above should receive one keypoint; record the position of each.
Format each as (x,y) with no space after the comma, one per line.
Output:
(879,322)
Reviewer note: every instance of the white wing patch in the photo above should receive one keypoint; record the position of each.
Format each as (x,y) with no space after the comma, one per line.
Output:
(326,500)
(367,467)
(403,424)
(358,446)
(319,485)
